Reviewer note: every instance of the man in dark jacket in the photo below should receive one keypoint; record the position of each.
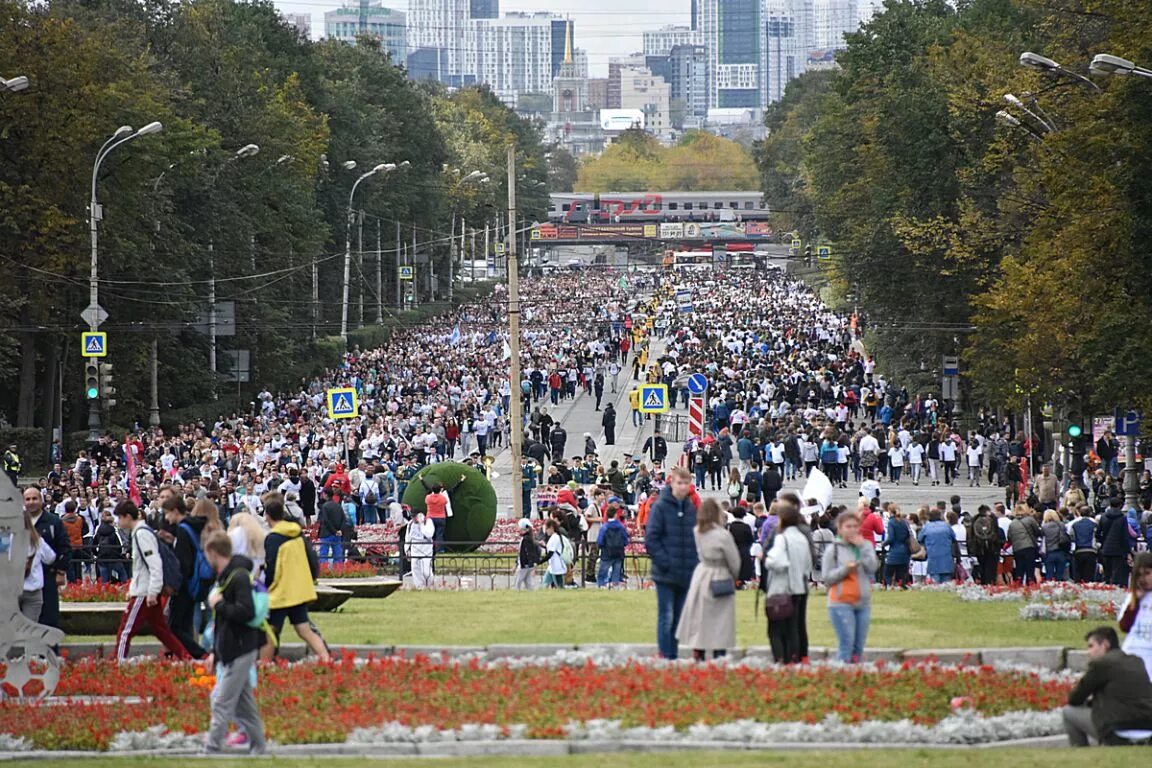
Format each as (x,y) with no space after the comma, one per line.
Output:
(331,521)
(1115,543)
(671,546)
(235,646)
(185,532)
(52,531)
(559,438)
(1114,694)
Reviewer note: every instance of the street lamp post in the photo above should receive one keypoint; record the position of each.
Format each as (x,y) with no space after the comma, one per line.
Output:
(14,84)
(454,251)
(1045,64)
(1107,64)
(123,135)
(385,167)
(248,150)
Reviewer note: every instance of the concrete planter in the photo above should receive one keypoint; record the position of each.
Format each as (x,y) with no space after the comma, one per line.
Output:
(329,598)
(378,587)
(91,618)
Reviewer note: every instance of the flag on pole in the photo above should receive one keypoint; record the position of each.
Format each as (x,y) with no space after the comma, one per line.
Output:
(454,339)
(491,339)
(133,479)
(507,350)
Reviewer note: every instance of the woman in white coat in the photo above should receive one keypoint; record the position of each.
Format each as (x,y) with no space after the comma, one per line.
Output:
(418,545)
(708,621)
(788,566)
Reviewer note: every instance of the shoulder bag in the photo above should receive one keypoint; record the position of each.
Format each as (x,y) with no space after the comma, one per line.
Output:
(778,607)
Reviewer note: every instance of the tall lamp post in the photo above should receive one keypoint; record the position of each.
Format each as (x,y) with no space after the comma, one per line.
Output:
(248,150)
(13,84)
(123,135)
(1107,64)
(385,167)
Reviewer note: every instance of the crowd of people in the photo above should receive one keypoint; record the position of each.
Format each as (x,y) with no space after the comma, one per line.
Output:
(791,391)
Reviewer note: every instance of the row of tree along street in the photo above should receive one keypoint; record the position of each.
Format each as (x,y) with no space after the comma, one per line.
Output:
(981,202)
(189,207)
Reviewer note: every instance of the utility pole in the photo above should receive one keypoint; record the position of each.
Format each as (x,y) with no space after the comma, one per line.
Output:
(212,311)
(399,298)
(315,296)
(360,267)
(154,386)
(517,417)
(379,278)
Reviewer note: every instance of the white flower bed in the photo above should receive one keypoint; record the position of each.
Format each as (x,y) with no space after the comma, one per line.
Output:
(10,743)
(157,737)
(1062,611)
(962,727)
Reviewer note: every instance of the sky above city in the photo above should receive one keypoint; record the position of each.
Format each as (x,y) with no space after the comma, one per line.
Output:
(604,28)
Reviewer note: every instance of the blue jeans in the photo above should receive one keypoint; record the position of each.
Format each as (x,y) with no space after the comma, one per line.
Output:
(637,418)
(669,605)
(331,549)
(105,572)
(941,578)
(1056,565)
(371,516)
(609,572)
(438,533)
(851,625)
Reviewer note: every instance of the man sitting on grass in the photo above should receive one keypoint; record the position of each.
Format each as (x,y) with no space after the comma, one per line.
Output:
(1114,694)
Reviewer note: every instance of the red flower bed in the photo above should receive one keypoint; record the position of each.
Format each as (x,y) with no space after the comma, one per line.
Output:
(314,703)
(347,570)
(94,592)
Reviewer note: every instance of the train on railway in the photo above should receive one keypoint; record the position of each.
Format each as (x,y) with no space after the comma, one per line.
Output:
(618,207)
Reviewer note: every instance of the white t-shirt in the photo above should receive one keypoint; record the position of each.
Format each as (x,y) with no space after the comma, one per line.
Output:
(1138,641)
(915,453)
(896,456)
(555,548)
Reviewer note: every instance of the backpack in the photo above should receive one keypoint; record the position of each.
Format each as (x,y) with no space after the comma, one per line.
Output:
(985,538)
(614,543)
(200,582)
(169,564)
(567,551)
(259,600)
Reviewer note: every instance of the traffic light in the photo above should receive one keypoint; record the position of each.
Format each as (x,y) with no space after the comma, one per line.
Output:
(1075,430)
(1077,443)
(808,255)
(91,379)
(107,391)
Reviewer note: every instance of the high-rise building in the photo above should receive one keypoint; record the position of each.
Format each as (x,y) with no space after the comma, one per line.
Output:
(484,9)
(787,38)
(301,22)
(597,94)
(660,42)
(688,78)
(832,18)
(375,20)
(435,38)
(731,31)
(570,86)
(515,54)
(649,93)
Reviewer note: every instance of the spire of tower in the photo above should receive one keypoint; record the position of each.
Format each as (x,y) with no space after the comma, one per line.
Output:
(568,42)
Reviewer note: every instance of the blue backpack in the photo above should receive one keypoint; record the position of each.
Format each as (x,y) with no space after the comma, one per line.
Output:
(200,582)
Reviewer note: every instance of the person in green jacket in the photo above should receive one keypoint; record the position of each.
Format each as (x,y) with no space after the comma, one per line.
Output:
(1114,695)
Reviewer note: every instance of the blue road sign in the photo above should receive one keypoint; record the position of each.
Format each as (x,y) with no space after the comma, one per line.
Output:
(697,383)
(94,344)
(1127,423)
(343,403)
(654,398)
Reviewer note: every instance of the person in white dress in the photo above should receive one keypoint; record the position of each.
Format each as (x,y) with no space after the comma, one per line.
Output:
(418,546)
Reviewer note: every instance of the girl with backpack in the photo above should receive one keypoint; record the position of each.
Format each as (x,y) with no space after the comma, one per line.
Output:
(555,548)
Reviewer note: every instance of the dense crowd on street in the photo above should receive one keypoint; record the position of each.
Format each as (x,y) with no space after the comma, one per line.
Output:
(791,397)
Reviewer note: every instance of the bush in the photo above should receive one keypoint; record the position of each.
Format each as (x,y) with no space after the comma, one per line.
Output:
(473,503)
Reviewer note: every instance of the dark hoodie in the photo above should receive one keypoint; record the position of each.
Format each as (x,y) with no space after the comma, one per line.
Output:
(233,637)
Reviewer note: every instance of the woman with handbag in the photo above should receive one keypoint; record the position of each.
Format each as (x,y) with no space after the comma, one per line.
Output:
(708,621)
(787,570)
(848,566)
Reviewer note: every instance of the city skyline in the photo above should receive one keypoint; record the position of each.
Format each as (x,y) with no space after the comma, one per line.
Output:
(605,29)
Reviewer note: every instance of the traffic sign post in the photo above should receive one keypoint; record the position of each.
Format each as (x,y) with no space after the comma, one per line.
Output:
(94,344)
(343,403)
(697,384)
(653,398)
(824,252)
(696,416)
(797,243)
(407,273)
(1127,423)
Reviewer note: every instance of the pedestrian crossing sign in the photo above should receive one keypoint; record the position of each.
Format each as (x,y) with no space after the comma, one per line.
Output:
(654,398)
(406,273)
(823,251)
(94,344)
(343,403)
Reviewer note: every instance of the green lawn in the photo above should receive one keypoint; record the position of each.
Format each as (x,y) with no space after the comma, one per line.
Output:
(899,620)
(865,758)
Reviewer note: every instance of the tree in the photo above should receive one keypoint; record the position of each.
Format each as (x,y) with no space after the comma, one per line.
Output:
(637,162)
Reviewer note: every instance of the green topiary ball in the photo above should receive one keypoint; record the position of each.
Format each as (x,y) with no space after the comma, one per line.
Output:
(473,503)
